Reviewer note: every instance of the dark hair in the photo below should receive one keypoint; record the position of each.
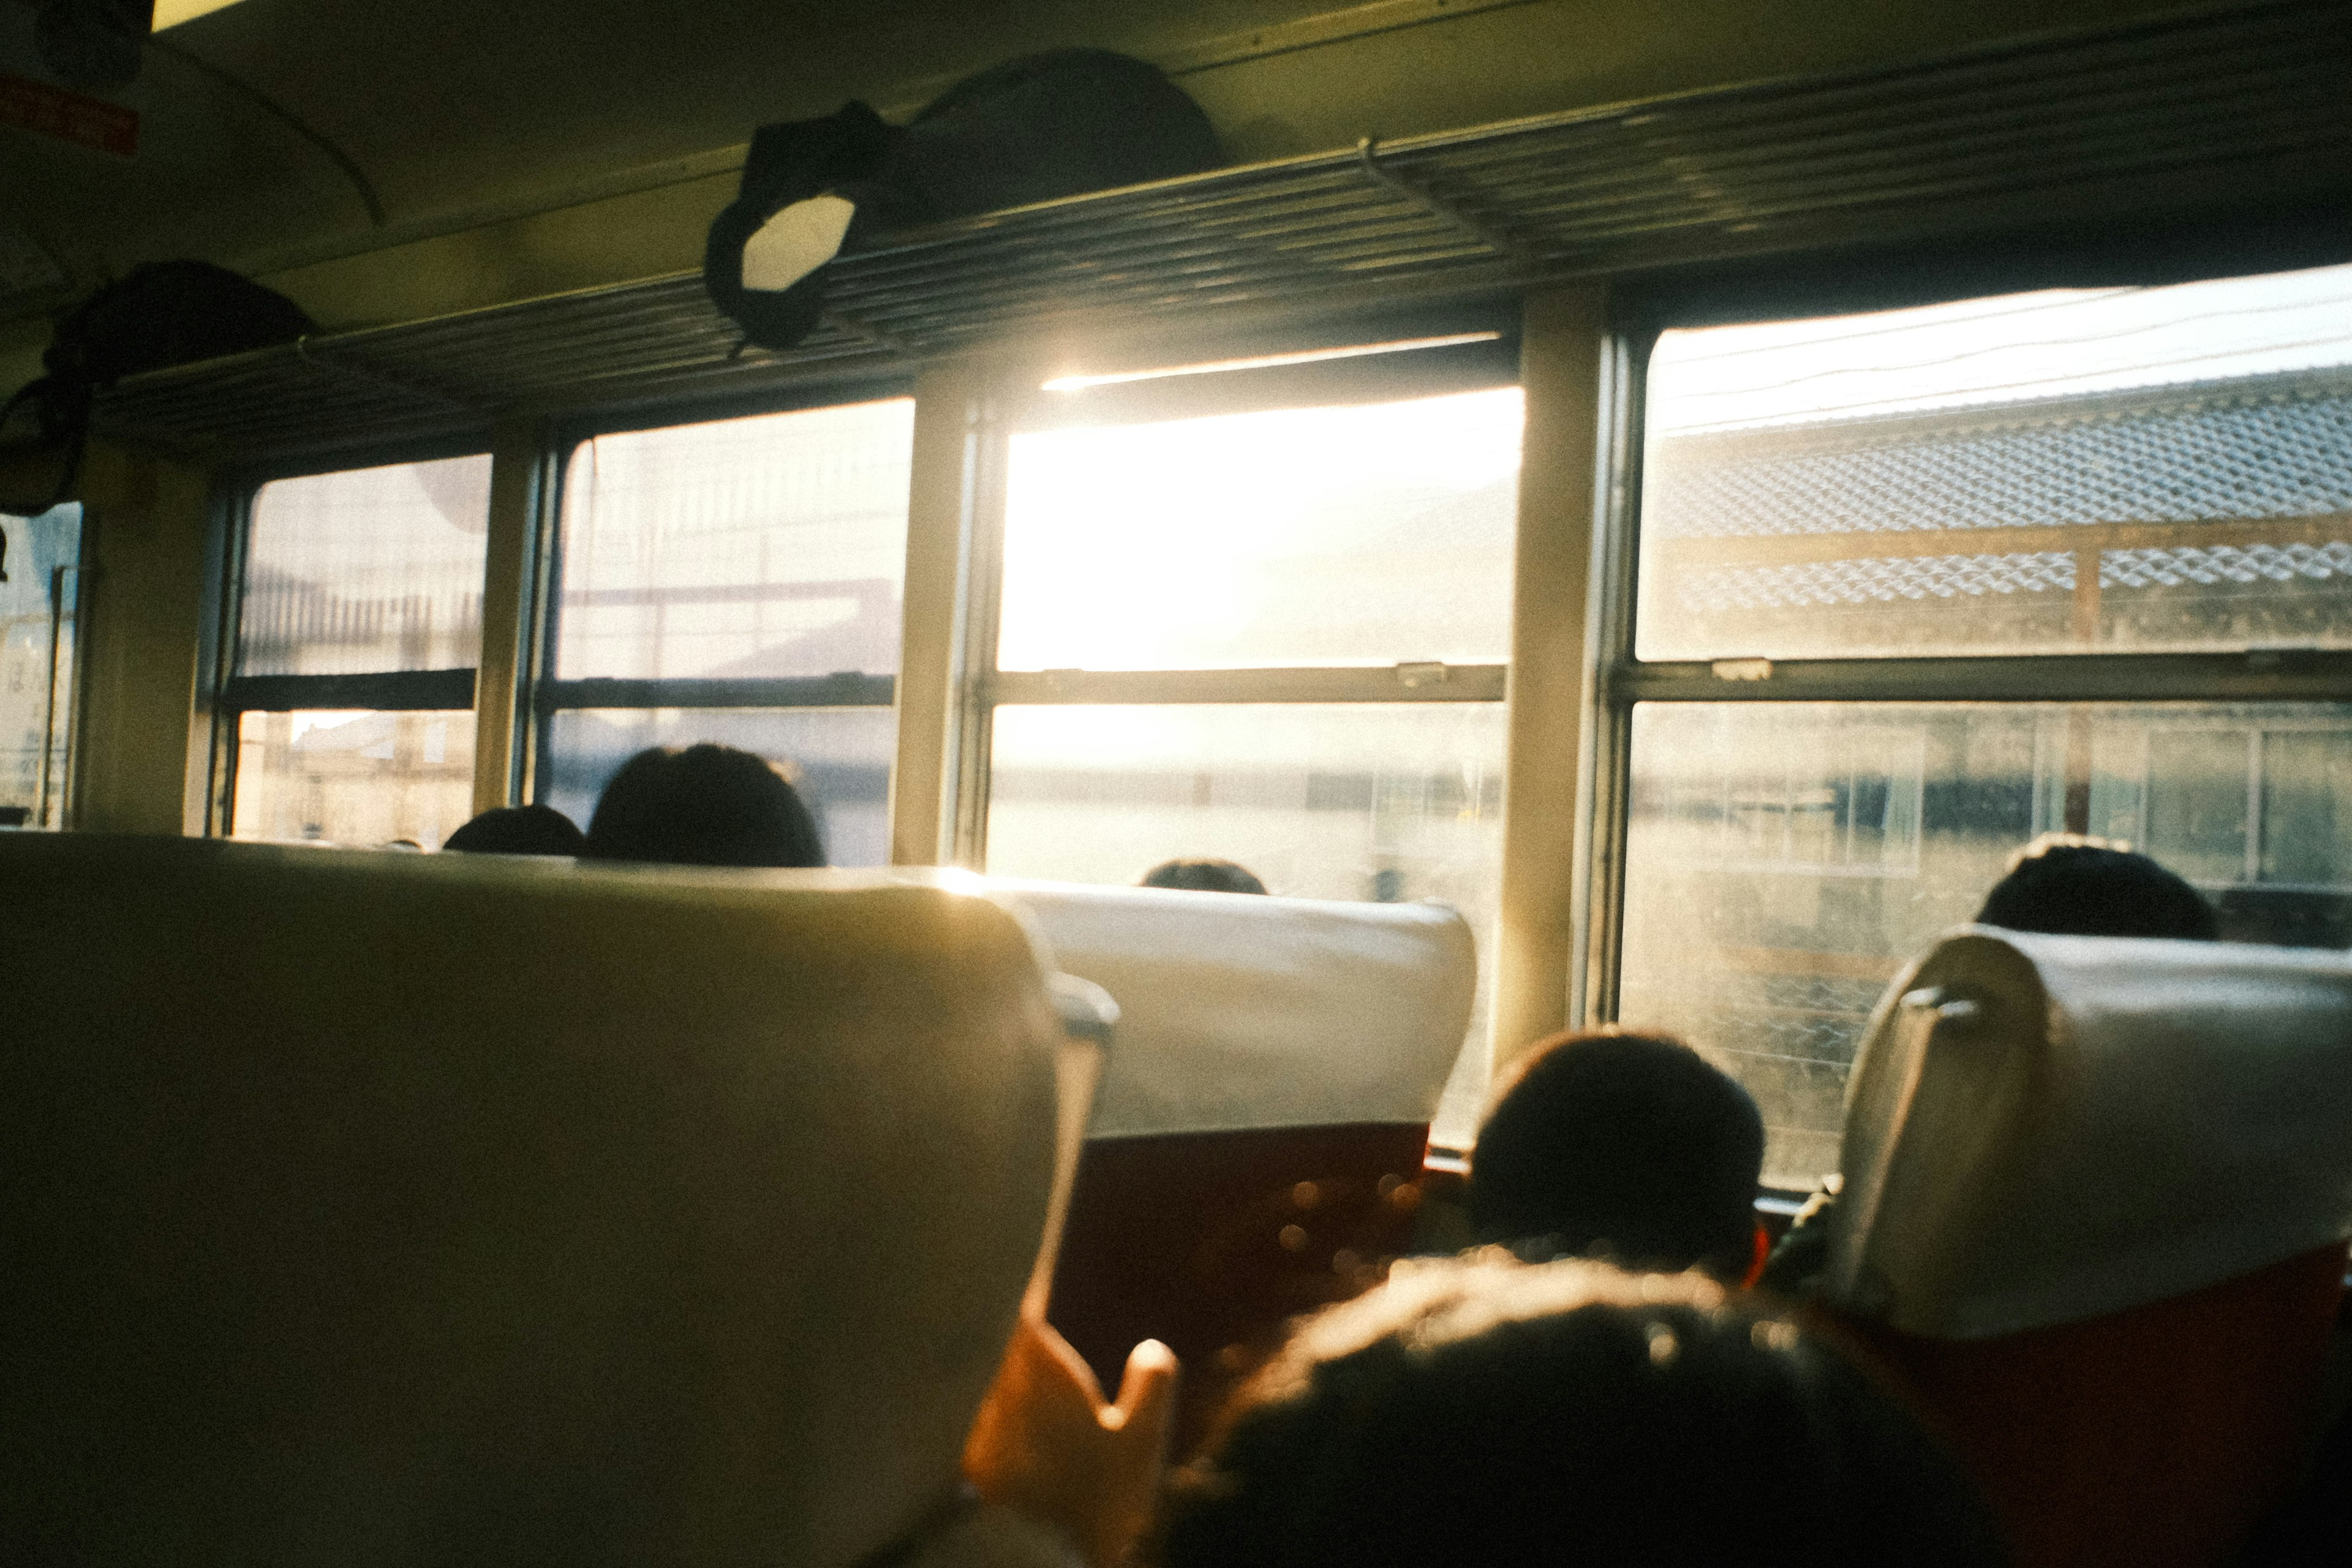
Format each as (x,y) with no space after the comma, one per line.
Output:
(704,806)
(1204,877)
(1478,1412)
(1626,1145)
(2081,886)
(517,830)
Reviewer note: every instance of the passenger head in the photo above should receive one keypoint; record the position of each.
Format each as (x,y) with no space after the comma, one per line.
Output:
(517,830)
(704,806)
(1622,1145)
(1479,1412)
(2070,885)
(1202,877)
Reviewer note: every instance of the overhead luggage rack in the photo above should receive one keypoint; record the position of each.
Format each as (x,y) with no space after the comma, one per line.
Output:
(2165,113)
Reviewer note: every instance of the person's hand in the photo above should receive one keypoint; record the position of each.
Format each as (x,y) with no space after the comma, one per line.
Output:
(1046,1445)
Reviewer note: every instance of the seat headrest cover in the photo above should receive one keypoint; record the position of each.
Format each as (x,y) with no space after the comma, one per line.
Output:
(1239,1011)
(409,1210)
(2044,1129)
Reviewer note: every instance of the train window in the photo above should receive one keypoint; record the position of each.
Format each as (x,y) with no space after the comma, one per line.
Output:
(1274,636)
(1978,502)
(1783,859)
(358,626)
(38,610)
(738,581)
(2128,469)
(367,572)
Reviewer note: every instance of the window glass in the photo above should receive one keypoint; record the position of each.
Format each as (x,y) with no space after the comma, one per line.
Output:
(1383,802)
(367,571)
(1369,534)
(359,779)
(2144,468)
(36,664)
(764,547)
(839,760)
(1783,859)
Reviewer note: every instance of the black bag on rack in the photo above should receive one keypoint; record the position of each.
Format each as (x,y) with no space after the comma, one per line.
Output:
(1031,129)
(158,314)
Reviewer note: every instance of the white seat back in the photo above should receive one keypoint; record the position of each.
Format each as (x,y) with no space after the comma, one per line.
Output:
(1240,1011)
(417,1209)
(2044,1129)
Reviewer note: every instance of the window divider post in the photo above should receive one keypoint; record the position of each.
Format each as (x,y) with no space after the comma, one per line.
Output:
(517,464)
(1552,687)
(945,588)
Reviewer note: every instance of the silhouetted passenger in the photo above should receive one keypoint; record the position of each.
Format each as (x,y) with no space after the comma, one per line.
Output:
(1204,877)
(2065,885)
(1626,1146)
(1488,1412)
(517,830)
(704,806)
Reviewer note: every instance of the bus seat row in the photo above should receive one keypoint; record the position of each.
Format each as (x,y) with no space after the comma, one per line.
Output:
(1238,1012)
(387,1209)
(393,1207)
(2095,1198)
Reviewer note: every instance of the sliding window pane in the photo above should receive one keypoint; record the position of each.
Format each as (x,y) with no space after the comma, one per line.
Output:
(2141,469)
(1369,534)
(360,780)
(1783,859)
(36,664)
(367,571)
(2306,808)
(839,760)
(1383,802)
(759,548)
(2199,822)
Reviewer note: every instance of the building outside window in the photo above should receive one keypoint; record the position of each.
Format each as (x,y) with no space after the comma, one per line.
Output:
(352,675)
(39,617)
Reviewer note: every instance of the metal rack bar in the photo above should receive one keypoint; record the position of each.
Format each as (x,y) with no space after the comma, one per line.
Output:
(2165,113)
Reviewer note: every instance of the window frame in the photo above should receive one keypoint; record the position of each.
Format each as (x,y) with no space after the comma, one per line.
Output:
(540,695)
(2262,674)
(232,696)
(1017,404)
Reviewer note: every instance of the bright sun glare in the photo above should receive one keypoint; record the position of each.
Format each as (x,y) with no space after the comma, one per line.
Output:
(1195,517)
(171,12)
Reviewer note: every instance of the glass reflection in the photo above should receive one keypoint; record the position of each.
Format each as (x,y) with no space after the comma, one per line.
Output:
(759,548)
(1783,859)
(367,571)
